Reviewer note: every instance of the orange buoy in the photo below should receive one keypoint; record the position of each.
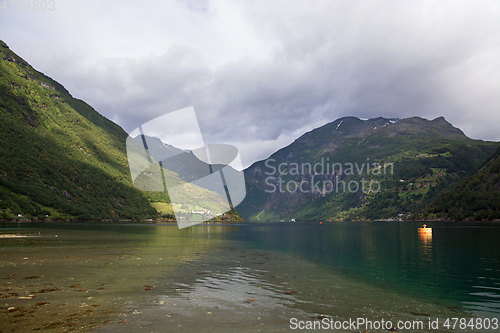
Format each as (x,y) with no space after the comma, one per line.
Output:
(321,223)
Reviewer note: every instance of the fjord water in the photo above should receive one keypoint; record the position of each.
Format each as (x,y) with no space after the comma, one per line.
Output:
(457,264)
(123,277)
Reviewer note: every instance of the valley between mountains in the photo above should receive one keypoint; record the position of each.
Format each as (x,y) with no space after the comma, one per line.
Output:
(61,160)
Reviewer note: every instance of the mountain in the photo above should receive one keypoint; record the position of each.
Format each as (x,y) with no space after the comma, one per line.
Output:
(192,183)
(475,198)
(326,173)
(59,158)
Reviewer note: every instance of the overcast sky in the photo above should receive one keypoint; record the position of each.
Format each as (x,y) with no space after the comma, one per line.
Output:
(261,73)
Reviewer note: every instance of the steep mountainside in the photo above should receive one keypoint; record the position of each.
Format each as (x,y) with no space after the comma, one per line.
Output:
(194,184)
(475,198)
(325,174)
(59,158)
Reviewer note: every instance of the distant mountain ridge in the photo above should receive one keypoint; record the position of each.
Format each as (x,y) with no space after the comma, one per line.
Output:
(190,183)
(429,154)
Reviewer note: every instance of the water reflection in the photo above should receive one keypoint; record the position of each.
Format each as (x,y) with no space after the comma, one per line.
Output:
(237,288)
(453,263)
(425,236)
(441,262)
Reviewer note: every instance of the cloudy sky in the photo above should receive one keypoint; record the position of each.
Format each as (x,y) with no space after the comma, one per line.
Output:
(261,73)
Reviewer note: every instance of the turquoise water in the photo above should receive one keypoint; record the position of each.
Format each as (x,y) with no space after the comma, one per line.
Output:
(458,265)
(245,275)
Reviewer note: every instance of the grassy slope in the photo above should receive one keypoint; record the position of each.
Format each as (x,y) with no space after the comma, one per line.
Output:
(59,157)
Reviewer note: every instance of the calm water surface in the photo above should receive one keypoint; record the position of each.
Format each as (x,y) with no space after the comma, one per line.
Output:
(246,276)
(458,263)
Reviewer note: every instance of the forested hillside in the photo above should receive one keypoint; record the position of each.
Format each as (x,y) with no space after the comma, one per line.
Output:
(475,198)
(59,158)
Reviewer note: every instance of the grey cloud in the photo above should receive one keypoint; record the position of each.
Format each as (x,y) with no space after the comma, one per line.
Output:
(328,60)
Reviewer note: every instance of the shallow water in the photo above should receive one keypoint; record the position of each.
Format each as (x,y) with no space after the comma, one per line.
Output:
(248,277)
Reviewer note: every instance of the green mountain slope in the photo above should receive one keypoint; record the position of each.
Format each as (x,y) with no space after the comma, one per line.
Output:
(58,156)
(408,161)
(475,198)
(180,169)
